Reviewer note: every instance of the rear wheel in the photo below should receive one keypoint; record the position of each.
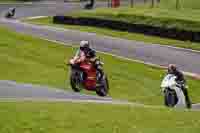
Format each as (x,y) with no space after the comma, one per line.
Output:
(103,89)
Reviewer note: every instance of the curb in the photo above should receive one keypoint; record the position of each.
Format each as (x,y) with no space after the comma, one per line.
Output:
(35,17)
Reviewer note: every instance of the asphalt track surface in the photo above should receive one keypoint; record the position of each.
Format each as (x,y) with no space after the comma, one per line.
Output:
(187,60)
(29,91)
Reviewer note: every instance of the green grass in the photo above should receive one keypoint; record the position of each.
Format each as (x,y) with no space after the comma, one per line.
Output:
(120,34)
(30,60)
(24,117)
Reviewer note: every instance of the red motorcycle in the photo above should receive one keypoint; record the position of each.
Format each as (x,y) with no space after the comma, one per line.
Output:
(90,76)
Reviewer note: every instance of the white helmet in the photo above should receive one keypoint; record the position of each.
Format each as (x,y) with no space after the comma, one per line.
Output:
(84,44)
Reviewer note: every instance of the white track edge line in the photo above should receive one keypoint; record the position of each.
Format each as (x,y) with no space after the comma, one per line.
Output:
(63,29)
(194,75)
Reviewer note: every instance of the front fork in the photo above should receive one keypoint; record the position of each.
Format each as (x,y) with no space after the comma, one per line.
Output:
(78,76)
(100,75)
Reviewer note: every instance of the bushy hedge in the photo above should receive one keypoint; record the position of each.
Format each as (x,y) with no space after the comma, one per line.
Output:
(169,32)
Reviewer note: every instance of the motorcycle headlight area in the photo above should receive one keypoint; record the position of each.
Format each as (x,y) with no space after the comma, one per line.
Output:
(98,62)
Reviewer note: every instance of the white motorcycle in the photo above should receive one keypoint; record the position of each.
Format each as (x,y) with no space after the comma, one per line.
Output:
(173,94)
(10,13)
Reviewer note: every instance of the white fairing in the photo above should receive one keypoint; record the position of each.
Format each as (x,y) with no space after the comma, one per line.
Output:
(170,82)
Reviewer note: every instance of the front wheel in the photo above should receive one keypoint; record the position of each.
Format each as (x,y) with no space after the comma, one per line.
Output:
(103,89)
(8,15)
(171,98)
(74,82)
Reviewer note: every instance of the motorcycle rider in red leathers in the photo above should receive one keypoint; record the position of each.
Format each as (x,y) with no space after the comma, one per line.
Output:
(85,53)
(81,53)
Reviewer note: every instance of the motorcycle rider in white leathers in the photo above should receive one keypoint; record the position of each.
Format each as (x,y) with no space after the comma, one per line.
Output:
(172,69)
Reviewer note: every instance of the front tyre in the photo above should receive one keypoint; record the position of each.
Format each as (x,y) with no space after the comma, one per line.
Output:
(171,98)
(74,83)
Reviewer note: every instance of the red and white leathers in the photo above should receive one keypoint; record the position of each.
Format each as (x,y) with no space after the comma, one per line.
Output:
(79,57)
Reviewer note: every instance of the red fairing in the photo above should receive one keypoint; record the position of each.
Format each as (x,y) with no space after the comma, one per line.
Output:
(90,83)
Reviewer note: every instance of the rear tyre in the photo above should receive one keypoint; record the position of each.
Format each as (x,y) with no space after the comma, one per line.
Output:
(103,89)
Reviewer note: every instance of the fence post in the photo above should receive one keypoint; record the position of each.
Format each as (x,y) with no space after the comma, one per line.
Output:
(152,3)
(109,4)
(132,3)
(177,4)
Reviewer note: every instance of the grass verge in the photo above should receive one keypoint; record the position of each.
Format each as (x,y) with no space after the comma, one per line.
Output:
(119,34)
(24,117)
(31,60)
